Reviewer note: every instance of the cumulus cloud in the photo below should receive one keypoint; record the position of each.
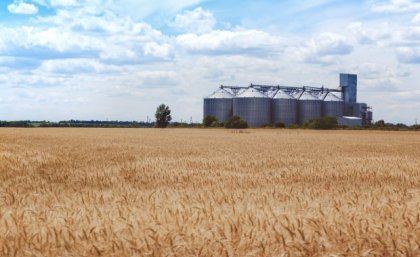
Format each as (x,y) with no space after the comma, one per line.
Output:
(136,9)
(376,76)
(195,21)
(409,55)
(396,6)
(156,50)
(75,65)
(20,7)
(85,32)
(374,35)
(416,18)
(323,49)
(230,42)
(143,8)
(64,3)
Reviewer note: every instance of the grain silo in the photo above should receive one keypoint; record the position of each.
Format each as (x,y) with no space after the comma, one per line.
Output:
(309,107)
(284,108)
(253,106)
(264,104)
(332,106)
(219,104)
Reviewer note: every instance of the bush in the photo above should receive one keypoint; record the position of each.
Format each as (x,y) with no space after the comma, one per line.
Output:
(210,121)
(293,126)
(216,124)
(279,125)
(235,122)
(267,125)
(322,123)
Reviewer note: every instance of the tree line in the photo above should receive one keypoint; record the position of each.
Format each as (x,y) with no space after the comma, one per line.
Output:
(163,119)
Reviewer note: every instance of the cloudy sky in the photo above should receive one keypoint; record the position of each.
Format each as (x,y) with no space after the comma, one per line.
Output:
(119,59)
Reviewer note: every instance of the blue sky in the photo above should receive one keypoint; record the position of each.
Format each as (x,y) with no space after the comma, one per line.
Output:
(119,59)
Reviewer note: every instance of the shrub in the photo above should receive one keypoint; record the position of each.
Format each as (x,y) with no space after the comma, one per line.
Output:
(267,125)
(322,123)
(210,121)
(235,122)
(293,126)
(279,125)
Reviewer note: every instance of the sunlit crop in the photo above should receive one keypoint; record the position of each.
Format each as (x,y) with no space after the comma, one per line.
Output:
(197,192)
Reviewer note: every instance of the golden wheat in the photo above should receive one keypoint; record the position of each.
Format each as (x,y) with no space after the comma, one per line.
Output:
(186,192)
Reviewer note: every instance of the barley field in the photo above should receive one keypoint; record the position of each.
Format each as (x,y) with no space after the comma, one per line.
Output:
(196,192)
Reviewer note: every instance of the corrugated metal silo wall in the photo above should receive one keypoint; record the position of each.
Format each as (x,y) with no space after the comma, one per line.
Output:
(221,108)
(309,110)
(255,111)
(285,111)
(332,109)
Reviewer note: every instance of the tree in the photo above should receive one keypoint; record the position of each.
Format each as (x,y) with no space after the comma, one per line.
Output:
(163,116)
(209,121)
(380,123)
(235,122)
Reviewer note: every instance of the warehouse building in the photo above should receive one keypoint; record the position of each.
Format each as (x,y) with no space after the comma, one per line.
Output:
(263,104)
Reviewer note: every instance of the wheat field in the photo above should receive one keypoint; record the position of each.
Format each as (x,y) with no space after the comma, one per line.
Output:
(197,192)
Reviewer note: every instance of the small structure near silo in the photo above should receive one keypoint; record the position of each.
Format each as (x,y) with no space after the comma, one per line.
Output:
(350,122)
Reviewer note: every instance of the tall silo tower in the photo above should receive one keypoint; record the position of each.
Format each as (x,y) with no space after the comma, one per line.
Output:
(219,104)
(310,107)
(284,108)
(348,85)
(253,106)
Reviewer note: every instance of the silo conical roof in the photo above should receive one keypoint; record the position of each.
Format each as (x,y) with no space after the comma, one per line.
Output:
(282,95)
(308,97)
(252,93)
(332,98)
(220,94)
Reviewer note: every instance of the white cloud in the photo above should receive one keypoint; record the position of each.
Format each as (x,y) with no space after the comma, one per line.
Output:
(138,9)
(396,6)
(75,65)
(323,49)
(416,18)
(156,50)
(196,21)
(85,32)
(224,41)
(64,3)
(376,35)
(409,54)
(20,7)
(69,3)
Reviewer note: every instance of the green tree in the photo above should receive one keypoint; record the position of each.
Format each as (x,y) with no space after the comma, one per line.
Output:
(380,123)
(209,121)
(163,116)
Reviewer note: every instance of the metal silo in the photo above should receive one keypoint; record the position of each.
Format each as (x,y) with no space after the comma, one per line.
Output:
(253,106)
(310,107)
(219,104)
(284,108)
(332,106)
